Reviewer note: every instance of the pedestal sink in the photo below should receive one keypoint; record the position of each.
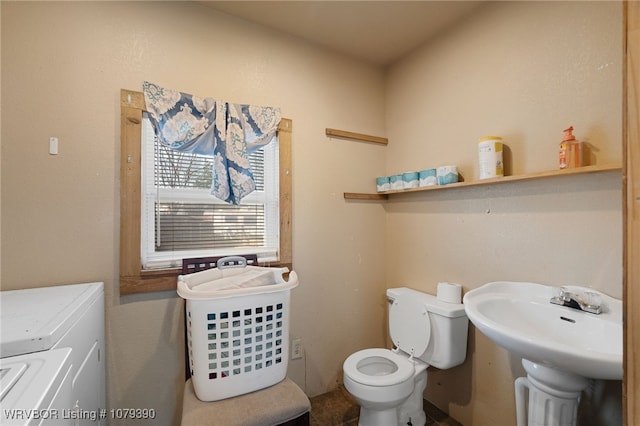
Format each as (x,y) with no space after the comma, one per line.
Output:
(561,346)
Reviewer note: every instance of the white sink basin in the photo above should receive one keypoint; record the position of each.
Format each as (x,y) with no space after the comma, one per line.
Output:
(519,317)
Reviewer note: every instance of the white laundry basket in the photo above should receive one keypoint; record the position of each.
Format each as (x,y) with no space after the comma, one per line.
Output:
(237,328)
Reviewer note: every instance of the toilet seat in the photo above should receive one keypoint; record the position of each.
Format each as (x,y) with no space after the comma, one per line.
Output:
(407,314)
(390,368)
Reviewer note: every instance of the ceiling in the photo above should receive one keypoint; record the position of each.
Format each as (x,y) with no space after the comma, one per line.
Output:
(379,32)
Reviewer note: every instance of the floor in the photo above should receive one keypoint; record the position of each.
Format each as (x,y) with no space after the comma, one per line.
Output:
(337,408)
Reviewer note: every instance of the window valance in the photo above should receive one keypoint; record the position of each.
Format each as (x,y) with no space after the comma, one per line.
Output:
(225,131)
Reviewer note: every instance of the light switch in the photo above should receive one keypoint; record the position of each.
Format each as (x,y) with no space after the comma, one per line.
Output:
(53,145)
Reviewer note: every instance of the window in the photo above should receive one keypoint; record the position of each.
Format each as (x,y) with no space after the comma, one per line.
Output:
(261,224)
(181,219)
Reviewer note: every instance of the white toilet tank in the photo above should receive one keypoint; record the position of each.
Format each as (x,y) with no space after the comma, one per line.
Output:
(443,331)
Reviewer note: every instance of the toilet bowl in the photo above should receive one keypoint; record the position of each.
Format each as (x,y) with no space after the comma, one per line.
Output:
(382,381)
(378,375)
(389,384)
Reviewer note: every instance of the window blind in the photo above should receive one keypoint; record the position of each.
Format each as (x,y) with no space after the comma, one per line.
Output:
(180,218)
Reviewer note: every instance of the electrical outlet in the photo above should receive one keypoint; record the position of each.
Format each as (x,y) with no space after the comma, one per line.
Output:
(296,348)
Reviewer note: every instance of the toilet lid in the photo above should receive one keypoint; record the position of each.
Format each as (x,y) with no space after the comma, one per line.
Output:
(393,368)
(409,324)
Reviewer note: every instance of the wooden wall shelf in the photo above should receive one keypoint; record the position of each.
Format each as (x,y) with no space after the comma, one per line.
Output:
(530,176)
(357,136)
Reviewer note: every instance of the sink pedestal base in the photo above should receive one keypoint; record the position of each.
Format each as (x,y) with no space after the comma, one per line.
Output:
(554,396)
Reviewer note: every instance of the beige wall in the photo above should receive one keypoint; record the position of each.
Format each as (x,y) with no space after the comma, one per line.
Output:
(526,71)
(521,70)
(63,65)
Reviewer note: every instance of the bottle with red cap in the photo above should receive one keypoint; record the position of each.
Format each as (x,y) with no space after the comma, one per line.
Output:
(569,153)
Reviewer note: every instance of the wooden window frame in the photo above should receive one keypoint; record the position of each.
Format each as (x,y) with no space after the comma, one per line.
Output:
(133,279)
(631,215)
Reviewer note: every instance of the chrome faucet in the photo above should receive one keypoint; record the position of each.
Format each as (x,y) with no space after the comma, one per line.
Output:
(587,301)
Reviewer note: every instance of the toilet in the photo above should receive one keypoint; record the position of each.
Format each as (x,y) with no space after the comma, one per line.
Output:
(389,384)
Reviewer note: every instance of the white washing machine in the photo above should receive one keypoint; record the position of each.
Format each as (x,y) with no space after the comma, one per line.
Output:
(52,366)
(35,388)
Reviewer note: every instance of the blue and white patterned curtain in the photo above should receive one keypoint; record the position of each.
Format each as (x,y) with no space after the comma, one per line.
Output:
(225,131)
